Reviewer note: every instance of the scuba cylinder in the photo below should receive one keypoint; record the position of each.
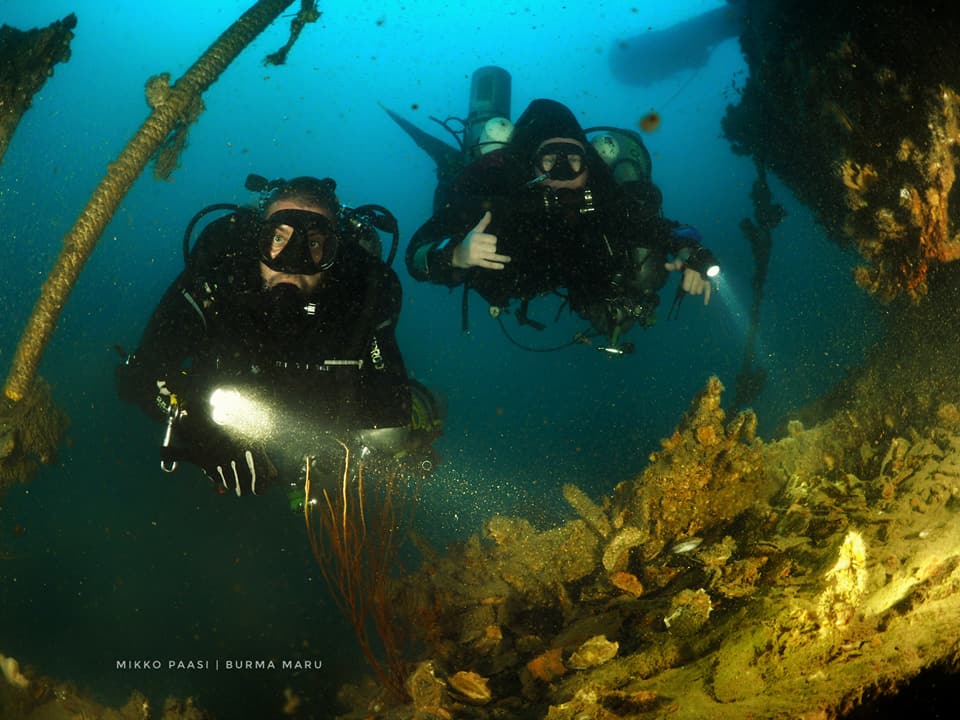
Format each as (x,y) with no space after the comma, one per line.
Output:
(489,111)
(624,152)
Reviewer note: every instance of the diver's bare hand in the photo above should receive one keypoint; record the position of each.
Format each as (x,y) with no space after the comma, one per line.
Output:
(479,249)
(693,282)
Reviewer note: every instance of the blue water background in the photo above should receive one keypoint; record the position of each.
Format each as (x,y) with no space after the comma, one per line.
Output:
(118,560)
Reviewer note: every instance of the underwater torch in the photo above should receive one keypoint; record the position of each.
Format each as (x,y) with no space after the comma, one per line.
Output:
(705,263)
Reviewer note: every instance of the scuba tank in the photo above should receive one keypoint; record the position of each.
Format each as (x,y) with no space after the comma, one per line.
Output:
(624,153)
(488,125)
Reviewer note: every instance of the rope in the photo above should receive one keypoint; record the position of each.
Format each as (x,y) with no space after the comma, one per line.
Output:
(78,244)
(577,339)
(759,233)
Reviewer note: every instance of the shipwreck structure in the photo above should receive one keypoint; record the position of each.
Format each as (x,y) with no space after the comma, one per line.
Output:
(27,59)
(855,108)
(733,578)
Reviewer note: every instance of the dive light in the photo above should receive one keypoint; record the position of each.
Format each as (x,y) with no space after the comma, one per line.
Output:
(704,262)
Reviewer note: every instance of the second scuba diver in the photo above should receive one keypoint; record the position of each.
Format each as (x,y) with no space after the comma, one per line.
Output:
(547,211)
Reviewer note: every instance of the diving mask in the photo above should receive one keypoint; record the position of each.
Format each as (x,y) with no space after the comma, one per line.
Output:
(298,242)
(560,160)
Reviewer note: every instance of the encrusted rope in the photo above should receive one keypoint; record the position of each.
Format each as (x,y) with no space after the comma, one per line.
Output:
(78,244)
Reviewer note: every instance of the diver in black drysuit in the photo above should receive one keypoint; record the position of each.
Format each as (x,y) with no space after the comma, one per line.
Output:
(319,360)
(604,244)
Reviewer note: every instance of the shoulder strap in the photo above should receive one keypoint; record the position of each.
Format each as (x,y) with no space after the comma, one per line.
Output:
(367,322)
(223,250)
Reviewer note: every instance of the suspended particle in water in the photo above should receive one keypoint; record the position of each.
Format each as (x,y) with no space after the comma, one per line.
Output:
(650,121)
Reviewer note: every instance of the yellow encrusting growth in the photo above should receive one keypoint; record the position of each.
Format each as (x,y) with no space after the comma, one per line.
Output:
(846,583)
(10,669)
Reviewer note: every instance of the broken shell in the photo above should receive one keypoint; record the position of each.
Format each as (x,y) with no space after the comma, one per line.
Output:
(628,582)
(548,665)
(425,688)
(685,546)
(490,639)
(471,687)
(595,651)
(690,611)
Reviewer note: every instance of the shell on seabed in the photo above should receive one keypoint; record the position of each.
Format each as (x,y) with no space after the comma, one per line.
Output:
(685,546)
(595,651)
(471,686)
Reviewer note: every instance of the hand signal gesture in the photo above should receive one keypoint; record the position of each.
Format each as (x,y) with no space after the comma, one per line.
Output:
(479,248)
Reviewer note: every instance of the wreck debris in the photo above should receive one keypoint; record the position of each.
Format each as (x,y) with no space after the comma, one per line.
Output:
(46,698)
(616,555)
(30,434)
(860,103)
(689,611)
(10,670)
(587,509)
(903,232)
(514,604)
(27,59)
(706,473)
(775,598)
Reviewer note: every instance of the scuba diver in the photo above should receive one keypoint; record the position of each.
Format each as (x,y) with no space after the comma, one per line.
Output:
(279,337)
(548,211)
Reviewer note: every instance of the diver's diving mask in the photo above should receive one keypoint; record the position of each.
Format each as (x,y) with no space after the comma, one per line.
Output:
(561,160)
(298,242)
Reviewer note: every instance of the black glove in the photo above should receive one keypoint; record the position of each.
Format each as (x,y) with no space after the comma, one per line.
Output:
(233,466)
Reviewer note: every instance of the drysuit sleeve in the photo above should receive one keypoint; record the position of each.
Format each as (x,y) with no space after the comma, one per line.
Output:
(639,222)
(176,332)
(173,332)
(430,252)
